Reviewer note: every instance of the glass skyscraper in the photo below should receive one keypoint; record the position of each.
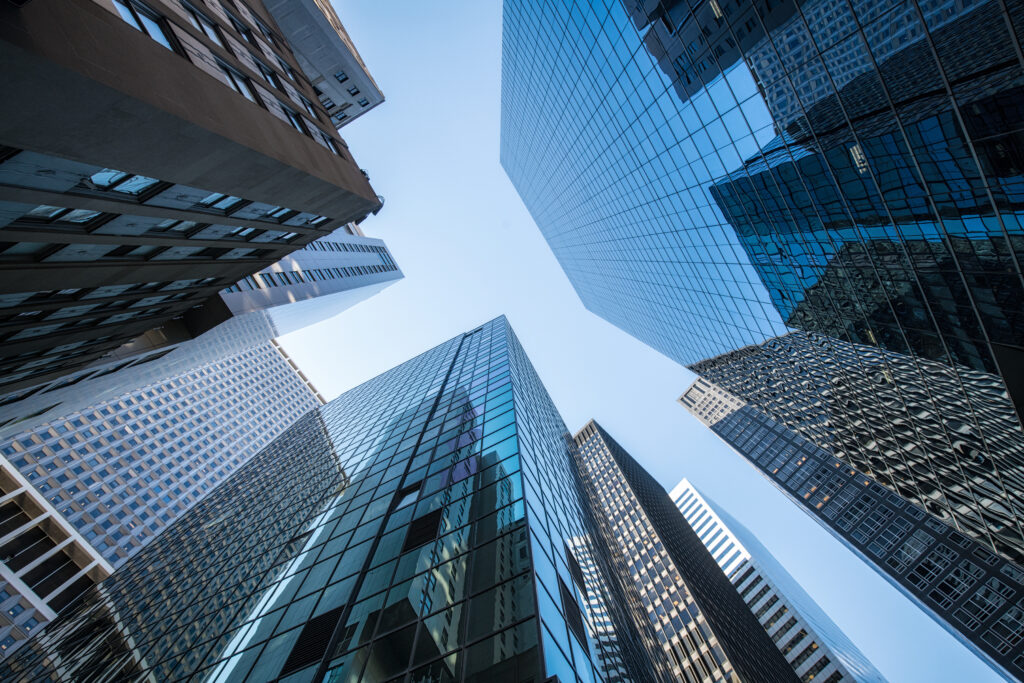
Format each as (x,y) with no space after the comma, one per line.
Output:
(973,593)
(716,175)
(427,525)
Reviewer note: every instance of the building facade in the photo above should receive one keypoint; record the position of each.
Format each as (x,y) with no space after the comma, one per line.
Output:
(422,526)
(809,640)
(717,177)
(327,55)
(969,590)
(946,440)
(122,204)
(85,491)
(315,283)
(707,631)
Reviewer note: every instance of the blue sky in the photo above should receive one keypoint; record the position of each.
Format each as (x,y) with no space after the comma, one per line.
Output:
(470,252)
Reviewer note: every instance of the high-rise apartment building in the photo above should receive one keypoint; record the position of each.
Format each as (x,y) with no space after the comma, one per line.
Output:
(707,631)
(715,176)
(324,49)
(425,524)
(972,592)
(152,153)
(85,490)
(810,641)
(320,280)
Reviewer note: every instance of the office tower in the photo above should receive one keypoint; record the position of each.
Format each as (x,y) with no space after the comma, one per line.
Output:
(973,593)
(707,631)
(312,284)
(188,151)
(338,74)
(86,490)
(941,438)
(715,177)
(386,532)
(810,641)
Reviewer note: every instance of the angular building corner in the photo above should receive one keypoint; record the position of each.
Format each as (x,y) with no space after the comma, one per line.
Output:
(972,592)
(429,521)
(86,489)
(187,151)
(809,640)
(705,628)
(813,204)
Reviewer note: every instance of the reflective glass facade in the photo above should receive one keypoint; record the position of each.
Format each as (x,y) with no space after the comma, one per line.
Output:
(422,527)
(702,623)
(941,438)
(714,175)
(969,590)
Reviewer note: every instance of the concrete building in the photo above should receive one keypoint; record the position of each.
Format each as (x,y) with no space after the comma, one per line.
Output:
(327,55)
(151,154)
(86,490)
(809,640)
(706,631)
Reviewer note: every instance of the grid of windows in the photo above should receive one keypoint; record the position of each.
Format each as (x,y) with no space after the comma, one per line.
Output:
(752,569)
(746,169)
(240,236)
(930,561)
(384,533)
(121,471)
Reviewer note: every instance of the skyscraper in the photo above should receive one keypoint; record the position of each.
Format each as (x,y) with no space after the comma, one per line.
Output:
(973,593)
(707,631)
(85,490)
(716,177)
(811,642)
(324,49)
(185,152)
(426,522)
(941,438)
(319,281)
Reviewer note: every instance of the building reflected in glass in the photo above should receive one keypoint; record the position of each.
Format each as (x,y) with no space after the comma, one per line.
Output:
(970,591)
(845,178)
(424,526)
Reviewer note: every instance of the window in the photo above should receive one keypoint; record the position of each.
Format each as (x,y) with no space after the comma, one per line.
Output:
(269,75)
(422,531)
(217,200)
(294,119)
(264,29)
(239,83)
(309,107)
(242,29)
(112,180)
(203,23)
(59,214)
(287,68)
(363,102)
(143,19)
(341,76)
(328,142)
(353,90)
(794,641)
